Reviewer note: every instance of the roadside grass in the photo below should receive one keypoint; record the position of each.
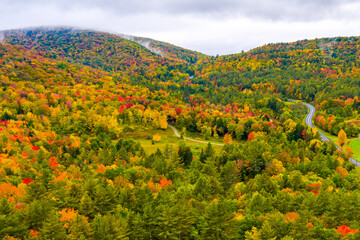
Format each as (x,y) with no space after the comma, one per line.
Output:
(354,144)
(144,136)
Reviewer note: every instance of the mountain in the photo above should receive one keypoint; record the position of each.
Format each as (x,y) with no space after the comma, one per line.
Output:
(86,151)
(167,50)
(131,61)
(309,69)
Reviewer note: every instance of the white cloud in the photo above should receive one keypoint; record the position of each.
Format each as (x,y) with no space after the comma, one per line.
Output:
(209,26)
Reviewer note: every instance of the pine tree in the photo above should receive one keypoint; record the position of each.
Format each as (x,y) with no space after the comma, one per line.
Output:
(137,227)
(52,228)
(109,227)
(87,207)
(219,221)
(185,155)
(10,224)
(80,228)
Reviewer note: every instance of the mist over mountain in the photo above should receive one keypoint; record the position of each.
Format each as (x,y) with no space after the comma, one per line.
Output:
(124,137)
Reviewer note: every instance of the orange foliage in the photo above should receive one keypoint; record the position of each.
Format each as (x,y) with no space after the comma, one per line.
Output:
(291,216)
(53,162)
(67,214)
(12,193)
(228,139)
(33,234)
(164,182)
(344,230)
(342,171)
(251,136)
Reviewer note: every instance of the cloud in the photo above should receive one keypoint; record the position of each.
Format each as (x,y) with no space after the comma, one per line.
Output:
(274,10)
(209,26)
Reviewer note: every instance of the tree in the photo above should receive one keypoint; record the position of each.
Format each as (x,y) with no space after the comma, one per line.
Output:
(275,167)
(80,228)
(185,155)
(156,137)
(228,139)
(52,228)
(10,224)
(206,131)
(342,138)
(219,221)
(109,227)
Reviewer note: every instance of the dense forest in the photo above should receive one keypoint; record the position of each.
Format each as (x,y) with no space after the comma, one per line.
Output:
(86,151)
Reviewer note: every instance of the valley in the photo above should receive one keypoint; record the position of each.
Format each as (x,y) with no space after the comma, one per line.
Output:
(110,137)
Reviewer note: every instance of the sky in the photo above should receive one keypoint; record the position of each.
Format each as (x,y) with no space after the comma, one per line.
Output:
(208,26)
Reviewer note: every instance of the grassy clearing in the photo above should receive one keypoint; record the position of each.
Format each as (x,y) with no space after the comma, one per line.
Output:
(142,135)
(354,144)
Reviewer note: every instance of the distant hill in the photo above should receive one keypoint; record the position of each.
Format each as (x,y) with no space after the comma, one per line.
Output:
(308,69)
(109,52)
(167,50)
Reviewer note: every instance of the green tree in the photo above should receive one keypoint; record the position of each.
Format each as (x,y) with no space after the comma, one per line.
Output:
(52,228)
(109,227)
(80,228)
(185,155)
(219,221)
(10,223)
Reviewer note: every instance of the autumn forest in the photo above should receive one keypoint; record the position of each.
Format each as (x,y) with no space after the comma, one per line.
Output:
(109,137)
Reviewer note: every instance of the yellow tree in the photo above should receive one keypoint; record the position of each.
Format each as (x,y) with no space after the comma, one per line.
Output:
(342,138)
(228,139)
(156,137)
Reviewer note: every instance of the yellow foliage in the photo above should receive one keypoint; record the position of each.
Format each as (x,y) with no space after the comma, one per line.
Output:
(275,167)
(67,214)
(342,138)
(156,137)
(228,139)
(291,216)
(342,171)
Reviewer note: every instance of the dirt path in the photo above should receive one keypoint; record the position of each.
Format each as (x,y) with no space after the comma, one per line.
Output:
(193,140)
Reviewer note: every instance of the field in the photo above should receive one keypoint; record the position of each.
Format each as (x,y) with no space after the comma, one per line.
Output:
(144,136)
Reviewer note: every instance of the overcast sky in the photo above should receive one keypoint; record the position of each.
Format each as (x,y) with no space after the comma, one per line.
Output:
(209,26)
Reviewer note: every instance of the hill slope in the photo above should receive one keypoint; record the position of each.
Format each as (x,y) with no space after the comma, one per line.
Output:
(109,52)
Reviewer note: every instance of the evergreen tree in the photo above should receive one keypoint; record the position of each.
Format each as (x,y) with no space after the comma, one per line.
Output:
(10,224)
(185,155)
(109,227)
(80,228)
(219,221)
(52,228)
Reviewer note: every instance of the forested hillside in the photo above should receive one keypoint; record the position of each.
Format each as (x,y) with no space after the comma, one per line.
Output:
(86,152)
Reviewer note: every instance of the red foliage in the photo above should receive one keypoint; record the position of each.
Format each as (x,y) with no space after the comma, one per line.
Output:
(344,230)
(314,186)
(251,136)
(178,111)
(310,225)
(27,180)
(35,148)
(164,182)
(121,108)
(53,163)
(33,234)
(303,133)
(4,123)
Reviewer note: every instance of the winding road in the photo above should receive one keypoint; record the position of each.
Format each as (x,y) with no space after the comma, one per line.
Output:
(308,121)
(193,140)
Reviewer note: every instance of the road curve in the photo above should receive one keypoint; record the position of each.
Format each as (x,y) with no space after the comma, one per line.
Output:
(193,140)
(308,121)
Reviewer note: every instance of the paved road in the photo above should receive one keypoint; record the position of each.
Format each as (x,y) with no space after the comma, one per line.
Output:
(193,140)
(308,121)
